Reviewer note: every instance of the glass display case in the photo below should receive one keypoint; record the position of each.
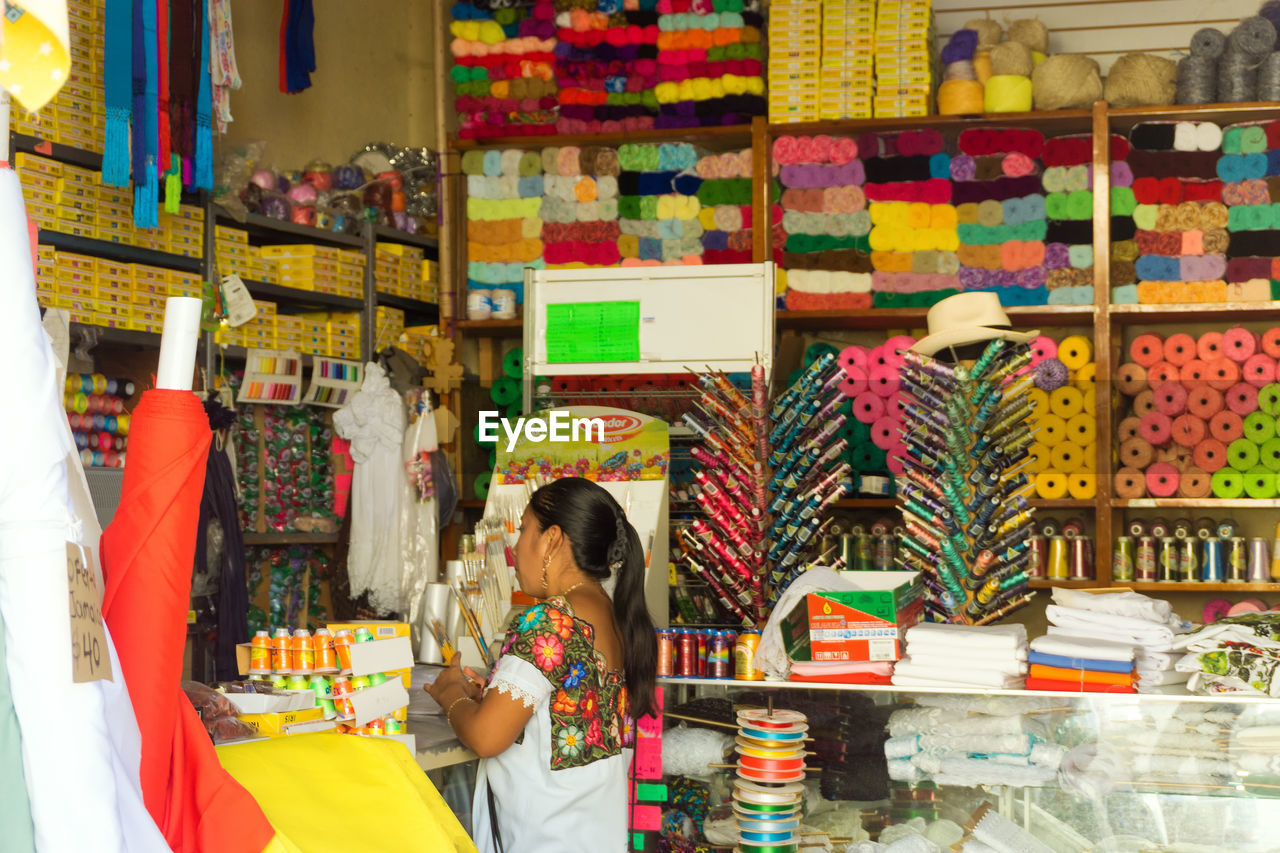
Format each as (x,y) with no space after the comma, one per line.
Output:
(1077,771)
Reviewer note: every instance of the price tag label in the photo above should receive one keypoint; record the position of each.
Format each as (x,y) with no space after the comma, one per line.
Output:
(239,302)
(90,660)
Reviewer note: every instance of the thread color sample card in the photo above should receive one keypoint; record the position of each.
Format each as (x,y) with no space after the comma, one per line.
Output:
(333,382)
(272,376)
(593,332)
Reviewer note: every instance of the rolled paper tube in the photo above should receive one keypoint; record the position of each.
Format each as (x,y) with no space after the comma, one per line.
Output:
(1128,428)
(1222,373)
(1259,370)
(1195,484)
(1136,453)
(1147,349)
(1144,403)
(1226,426)
(1051,430)
(1051,486)
(1131,378)
(1269,454)
(1260,483)
(1271,340)
(1043,347)
(1210,455)
(1082,429)
(1128,484)
(1238,344)
(868,407)
(1194,373)
(1269,399)
(1242,454)
(1209,346)
(1156,428)
(1179,348)
(1162,480)
(1241,398)
(1188,430)
(1259,427)
(1066,457)
(1227,483)
(1171,399)
(1162,372)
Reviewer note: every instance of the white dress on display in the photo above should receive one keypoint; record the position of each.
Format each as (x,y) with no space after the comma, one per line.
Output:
(562,787)
(373,421)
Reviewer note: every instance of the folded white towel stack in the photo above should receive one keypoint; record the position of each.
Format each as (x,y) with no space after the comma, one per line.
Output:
(944,655)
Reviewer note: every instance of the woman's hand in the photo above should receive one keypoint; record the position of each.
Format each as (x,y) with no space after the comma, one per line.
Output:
(454,681)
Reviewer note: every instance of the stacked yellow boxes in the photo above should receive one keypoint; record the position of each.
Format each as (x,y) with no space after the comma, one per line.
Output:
(323,269)
(76,115)
(795,54)
(78,202)
(41,181)
(344,335)
(413,340)
(351,266)
(429,282)
(114,286)
(114,221)
(386,269)
(75,286)
(847,75)
(234,254)
(388,326)
(183,231)
(262,268)
(45,290)
(315,334)
(904,58)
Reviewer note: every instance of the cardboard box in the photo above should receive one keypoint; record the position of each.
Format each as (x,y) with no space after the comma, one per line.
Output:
(373,703)
(863,624)
(280,702)
(275,725)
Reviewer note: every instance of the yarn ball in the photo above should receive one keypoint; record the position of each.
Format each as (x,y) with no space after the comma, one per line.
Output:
(1050,374)
(1255,36)
(960,98)
(1008,93)
(1197,80)
(1012,57)
(1032,33)
(1271,11)
(960,47)
(1066,81)
(982,65)
(1208,42)
(1141,80)
(962,70)
(687,752)
(990,33)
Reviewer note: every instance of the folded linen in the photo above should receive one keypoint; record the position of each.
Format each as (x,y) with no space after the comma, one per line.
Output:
(1132,604)
(948,654)
(971,636)
(970,744)
(1080,663)
(975,676)
(941,679)
(1155,660)
(1073,686)
(1150,679)
(1108,625)
(1083,676)
(1079,646)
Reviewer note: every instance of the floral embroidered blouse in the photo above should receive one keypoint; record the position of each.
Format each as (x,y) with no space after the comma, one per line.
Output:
(562,786)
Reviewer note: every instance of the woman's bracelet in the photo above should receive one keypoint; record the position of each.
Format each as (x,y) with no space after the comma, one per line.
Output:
(448,715)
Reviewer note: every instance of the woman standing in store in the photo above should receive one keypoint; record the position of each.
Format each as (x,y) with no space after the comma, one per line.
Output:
(554,722)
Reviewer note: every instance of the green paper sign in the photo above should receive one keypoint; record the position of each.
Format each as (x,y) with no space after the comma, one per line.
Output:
(580,332)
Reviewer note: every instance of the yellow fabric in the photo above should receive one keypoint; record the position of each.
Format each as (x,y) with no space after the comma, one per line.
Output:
(345,794)
(34,55)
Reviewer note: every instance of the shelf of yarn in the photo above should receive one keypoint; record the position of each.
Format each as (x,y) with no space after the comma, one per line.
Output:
(724,135)
(1123,315)
(1196,503)
(1023,317)
(1046,583)
(1057,121)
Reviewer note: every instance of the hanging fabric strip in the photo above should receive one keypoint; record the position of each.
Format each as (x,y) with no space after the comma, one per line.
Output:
(162,86)
(184,54)
(119,90)
(203,178)
(284,47)
(222,46)
(146,180)
(297,46)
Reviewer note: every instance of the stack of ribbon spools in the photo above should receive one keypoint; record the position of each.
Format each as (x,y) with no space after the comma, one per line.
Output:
(769,790)
(1065,453)
(1202,416)
(963,490)
(99,424)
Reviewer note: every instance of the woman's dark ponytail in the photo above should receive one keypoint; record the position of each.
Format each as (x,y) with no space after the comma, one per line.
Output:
(604,543)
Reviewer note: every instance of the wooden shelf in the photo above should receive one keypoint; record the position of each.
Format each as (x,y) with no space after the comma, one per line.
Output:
(1125,117)
(291,538)
(1057,121)
(1197,503)
(120,252)
(1064,503)
(1023,317)
(733,134)
(387,234)
(1197,586)
(866,503)
(492,328)
(1125,315)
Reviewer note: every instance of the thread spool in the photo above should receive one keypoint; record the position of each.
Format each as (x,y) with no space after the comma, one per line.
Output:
(1237,78)
(1195,483)
(1241,398)
(1131,378)
(1128,484)
(1128,428)
(1146,560)
(1162,480)
(1147,349)
(1259,570)
(1162,372)
(1082,485)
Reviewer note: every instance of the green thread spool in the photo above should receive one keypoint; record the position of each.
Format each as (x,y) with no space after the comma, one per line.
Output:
(1259,427)
(1260,483)
(505,391)
(513,363)
(1242,454)
(1227,483)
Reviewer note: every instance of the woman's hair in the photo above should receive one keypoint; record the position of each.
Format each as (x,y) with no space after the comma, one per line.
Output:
(603,541)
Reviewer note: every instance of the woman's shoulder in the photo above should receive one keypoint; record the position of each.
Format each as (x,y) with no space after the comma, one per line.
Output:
(550,636)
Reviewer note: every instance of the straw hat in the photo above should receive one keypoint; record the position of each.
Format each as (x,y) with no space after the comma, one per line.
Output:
(968,318)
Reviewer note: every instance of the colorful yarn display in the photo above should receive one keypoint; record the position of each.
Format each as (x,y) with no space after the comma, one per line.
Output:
(1199,416)
(963,490)
(710,64)
(1064,457)
(660,209)
(504,225)
(606,67)
(725,198)
(504,74)
(1170,227)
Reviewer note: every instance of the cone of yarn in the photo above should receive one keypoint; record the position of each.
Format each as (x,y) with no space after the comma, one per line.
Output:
(1188,430)
(1241,398)
(1162,480)
(1209,346)
(1226,426)
(1128,428)
(1147,349)
(1238,344)
(1162,372)
(1129,484)
(1179,349)
(1195,483)
(1209,455)
(1204,402)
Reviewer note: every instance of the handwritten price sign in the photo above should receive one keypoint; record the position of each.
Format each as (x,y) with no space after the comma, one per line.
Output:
(89,658)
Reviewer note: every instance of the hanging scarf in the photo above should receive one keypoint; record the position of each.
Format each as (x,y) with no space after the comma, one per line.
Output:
(203,177)
(297,46)
(119,89)
(222,47)
(162,84)
(184,54)
(146,133)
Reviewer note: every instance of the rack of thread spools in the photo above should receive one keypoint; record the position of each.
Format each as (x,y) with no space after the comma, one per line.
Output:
(1198,416)
(1206,550)
(95,406)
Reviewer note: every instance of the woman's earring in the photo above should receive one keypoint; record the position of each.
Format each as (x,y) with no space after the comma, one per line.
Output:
(546,564)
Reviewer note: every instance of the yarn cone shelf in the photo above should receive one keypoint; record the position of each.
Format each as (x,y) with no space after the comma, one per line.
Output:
(963,494)
(748,547)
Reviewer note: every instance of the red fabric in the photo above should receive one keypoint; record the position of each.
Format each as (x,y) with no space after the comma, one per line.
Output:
(147,556)
(798,300)
(849,678)
(1076,687)
(162,55)
(284,38)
